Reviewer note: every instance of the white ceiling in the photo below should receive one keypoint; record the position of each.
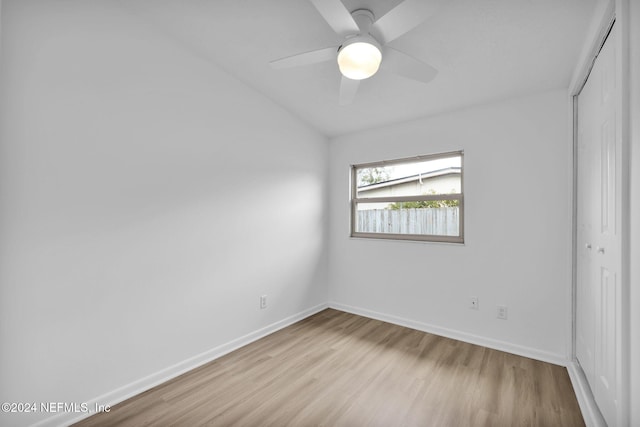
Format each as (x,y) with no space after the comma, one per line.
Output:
(484,50)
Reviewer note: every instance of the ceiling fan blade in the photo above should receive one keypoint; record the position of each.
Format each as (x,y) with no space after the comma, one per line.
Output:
(407,66)
(348,89)
(307,58)
(337,16)
(403,18)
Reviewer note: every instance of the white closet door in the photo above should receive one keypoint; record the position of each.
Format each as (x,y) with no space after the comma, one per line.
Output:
(598,303)
(586,214)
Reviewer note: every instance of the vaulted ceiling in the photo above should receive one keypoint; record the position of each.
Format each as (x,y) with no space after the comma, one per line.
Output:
(485,50)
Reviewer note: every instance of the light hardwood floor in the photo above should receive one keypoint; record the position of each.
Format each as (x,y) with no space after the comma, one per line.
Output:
(339,369)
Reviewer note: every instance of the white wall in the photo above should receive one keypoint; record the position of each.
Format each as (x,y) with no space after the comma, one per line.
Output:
(517,230)
(147,200)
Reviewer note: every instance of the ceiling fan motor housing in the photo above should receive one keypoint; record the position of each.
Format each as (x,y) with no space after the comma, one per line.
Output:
(364,18)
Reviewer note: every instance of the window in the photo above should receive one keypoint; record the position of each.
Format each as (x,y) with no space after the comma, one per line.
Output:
(418,198)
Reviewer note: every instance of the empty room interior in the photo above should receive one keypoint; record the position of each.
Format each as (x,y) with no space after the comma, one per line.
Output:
(320,212)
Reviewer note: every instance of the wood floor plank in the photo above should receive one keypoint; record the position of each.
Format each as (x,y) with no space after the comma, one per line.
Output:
(339,369)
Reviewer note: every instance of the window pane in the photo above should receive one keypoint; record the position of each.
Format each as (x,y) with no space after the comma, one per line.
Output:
(438,176)
(434,217)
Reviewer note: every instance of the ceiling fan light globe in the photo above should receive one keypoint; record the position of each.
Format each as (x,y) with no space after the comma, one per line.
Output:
(360,60)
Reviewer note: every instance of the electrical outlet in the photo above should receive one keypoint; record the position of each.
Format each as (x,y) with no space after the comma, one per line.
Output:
(473,303)
(263,301)
(502,312)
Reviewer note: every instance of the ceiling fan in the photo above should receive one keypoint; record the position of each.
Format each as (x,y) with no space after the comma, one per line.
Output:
(364,49)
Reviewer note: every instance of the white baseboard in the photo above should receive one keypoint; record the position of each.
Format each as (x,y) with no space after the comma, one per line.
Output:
(532,353)
(590,412)
(123,393)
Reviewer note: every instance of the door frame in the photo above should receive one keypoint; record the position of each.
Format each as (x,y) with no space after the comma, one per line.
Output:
(608,12)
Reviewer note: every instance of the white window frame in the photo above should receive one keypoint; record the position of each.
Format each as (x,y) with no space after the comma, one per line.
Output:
(395,199)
